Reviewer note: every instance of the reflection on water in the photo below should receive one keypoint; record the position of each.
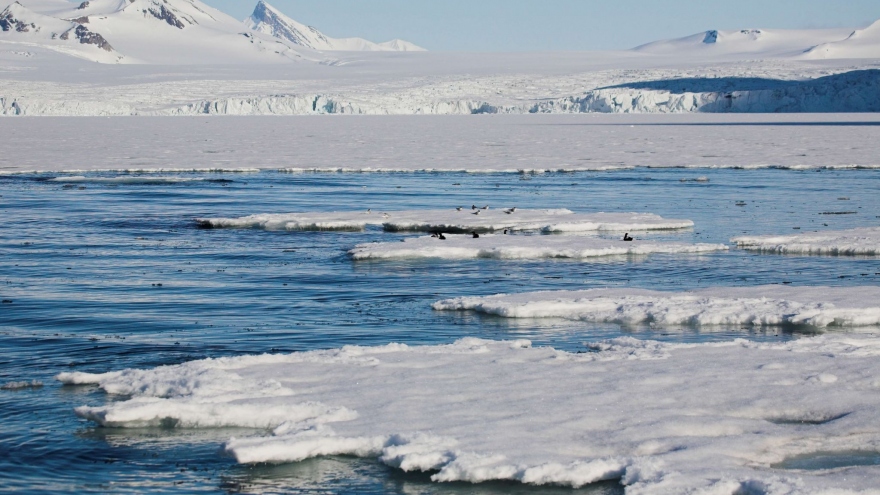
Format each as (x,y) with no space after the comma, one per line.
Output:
(830,460)
(114,275)
(352,475)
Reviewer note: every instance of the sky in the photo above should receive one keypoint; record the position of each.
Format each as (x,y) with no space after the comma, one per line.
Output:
(537,25)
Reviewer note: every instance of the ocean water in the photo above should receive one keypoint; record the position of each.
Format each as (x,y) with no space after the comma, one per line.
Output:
(107,272)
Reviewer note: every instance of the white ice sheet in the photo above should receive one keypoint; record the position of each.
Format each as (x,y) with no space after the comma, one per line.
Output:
(760,306)
(662,418)
(501,246)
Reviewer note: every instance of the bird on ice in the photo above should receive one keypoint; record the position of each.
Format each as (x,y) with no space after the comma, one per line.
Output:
(627,238)
(475,235)
(442,237)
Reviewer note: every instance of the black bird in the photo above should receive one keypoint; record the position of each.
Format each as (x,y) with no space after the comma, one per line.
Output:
(434,235)
(627,238)
(442,237)
(475,235)
(505,231)
(473,207)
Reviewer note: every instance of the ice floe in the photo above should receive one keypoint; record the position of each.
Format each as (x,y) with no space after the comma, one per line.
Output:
(455,221)
(501,246)
(124,179)
(767,305)
(862,241)
(661,418)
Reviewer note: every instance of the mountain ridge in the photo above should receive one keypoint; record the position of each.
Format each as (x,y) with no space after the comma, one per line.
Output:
(269,20)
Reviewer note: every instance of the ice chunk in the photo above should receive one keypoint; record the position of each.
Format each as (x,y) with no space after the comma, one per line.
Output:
(22,385)
(124,179)
(760,306)
(520,247)
(662,418)
(455,221)
(862,241)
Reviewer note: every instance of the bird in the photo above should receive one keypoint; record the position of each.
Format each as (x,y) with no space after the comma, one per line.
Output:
(486,207)
(458,209)
(476,212)
(442,237)
(505,231)
(369,210)
(510,210)
(385,215)
(473,207)
(627,238)
(475,235)
(433,234)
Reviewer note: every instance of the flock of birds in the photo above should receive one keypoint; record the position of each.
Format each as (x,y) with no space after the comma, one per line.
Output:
(476,211)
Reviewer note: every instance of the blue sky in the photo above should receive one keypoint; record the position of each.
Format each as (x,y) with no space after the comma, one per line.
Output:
(522,25)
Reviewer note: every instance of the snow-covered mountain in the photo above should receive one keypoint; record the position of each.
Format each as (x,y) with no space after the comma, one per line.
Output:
(269,20)
(142,31)
(771,43)
(861,43)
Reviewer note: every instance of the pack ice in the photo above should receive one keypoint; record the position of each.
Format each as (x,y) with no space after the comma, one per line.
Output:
(520,247)
(861,241)
(712,418)
(769,305)
(464,220)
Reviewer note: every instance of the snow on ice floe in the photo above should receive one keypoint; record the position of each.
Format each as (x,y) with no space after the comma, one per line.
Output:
(501,246)
(861,241)
(662,418)
(452,220)
(146,179)
(768,305)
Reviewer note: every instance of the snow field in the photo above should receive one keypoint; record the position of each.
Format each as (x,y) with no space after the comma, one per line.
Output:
(861,241)
(465,220)
(488,144)
(769,305)
(519,247)
(662,418)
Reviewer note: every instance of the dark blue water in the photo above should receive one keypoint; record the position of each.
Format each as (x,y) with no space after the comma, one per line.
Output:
(104,276)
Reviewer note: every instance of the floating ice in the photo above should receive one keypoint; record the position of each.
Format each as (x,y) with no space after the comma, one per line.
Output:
(661,418)
(520,247)
(863,241)
(454,221)
(760,306)
(125,179)
(22,385)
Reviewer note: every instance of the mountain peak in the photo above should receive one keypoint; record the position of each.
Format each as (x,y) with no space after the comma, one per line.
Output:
(269,20)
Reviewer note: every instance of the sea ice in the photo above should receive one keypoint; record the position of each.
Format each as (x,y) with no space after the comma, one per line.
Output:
(489,144)
(22,385)
(862,241)
(520,247)
(452,220)
(661,418)
(760,306)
